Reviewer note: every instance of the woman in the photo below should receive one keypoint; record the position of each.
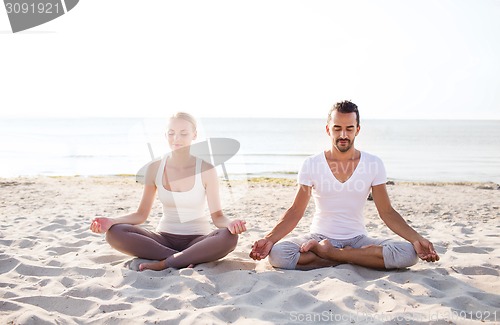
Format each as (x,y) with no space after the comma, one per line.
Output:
(183,237)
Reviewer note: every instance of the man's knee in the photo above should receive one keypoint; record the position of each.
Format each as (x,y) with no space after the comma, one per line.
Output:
(284,255)
(399,255)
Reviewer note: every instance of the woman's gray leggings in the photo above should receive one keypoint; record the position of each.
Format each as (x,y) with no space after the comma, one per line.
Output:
(179,250)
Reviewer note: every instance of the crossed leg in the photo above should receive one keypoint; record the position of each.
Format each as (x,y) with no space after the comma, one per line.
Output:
(175,251)
(203,249)
(310,260)
(316,251)
(370,256)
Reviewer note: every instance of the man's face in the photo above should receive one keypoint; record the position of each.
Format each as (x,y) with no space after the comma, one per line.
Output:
(343,129)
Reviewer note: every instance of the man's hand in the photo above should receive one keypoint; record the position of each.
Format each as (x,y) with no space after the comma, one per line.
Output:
(101,225)
(425,250)
(237,227)
(261,248)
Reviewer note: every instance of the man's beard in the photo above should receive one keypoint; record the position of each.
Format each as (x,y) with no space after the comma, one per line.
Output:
(343,149)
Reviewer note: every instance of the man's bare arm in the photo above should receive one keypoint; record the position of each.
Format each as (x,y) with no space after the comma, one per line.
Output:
(286,224)
(423,247)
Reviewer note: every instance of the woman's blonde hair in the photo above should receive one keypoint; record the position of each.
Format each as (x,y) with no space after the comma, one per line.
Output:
(186,117)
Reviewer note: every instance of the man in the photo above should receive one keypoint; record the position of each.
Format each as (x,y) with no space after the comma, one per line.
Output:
(340,180)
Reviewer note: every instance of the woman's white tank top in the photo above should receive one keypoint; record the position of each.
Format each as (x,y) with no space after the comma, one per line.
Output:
(183,212)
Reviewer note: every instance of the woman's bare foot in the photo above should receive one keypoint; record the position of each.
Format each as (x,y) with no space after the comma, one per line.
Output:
(156,266)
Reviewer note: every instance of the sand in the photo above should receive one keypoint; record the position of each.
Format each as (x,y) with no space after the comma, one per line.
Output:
(54,270)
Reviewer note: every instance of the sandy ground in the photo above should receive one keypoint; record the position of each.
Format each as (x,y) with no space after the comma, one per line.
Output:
(54,270)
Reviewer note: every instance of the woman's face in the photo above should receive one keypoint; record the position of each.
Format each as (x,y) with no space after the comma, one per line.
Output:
(180,133)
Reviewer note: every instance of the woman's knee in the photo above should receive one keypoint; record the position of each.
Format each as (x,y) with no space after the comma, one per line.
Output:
(230,241)
(114,233)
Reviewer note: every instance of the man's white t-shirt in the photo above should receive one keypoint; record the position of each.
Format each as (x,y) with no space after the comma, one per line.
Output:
(339,206)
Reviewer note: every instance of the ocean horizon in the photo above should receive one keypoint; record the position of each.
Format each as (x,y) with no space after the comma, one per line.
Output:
(412,150)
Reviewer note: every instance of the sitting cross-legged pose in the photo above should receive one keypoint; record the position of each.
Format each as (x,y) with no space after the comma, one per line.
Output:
(340,180)
(183,237)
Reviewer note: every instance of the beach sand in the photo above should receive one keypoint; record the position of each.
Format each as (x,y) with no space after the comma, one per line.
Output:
(54,270)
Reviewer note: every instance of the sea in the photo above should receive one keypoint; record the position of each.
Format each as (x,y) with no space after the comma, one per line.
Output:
(412,150)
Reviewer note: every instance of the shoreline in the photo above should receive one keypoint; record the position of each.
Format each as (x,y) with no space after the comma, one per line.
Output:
(490,185)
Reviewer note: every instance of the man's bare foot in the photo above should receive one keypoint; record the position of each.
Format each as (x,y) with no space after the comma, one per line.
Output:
(156,266)
(323,249)
(308,246)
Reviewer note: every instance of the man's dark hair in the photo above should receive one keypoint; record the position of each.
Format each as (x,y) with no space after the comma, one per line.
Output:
(344,107)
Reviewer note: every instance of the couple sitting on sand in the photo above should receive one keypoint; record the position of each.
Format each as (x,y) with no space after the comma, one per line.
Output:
(339,180)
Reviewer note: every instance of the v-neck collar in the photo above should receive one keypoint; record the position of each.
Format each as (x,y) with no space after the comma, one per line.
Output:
(361,158)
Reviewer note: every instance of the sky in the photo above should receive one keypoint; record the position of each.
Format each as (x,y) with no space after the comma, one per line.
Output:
(429,59)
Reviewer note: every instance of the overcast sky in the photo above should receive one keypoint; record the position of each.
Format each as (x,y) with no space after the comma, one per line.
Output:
(395,59)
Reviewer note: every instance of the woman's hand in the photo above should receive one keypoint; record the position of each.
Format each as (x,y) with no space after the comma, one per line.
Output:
(237,227)
(101,225)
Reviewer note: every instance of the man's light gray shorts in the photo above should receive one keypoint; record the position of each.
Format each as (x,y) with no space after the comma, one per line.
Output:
(397,254)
